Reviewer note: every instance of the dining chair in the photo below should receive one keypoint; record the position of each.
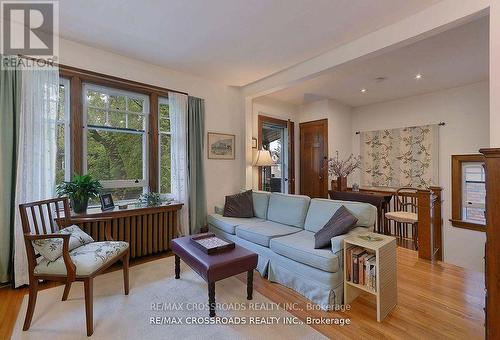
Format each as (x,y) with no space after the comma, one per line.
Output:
(43,220)
(402,215)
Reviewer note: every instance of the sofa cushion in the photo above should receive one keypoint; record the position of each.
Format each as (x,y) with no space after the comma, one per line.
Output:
(260,203)
(261,233)
(288,209)
(340,223)
(228,224)
(321,210)
(239,205)
(300,247)
(87,258)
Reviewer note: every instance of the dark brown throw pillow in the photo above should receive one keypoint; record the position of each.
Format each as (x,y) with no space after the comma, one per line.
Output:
(239,205)
(340,223)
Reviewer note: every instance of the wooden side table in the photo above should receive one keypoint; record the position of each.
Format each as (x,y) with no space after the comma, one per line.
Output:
(386,272)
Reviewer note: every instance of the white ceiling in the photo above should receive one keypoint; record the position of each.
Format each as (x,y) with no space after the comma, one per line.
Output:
(232,41)
(453,58)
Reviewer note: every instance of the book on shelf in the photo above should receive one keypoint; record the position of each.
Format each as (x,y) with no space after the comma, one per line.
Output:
(361,267)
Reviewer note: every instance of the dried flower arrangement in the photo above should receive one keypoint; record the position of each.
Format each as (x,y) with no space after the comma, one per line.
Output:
(343,168)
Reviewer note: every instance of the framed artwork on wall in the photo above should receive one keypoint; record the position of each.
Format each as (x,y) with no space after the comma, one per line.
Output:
(220,145)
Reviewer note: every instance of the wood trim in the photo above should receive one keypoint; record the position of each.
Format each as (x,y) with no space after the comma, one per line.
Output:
(468,225)
(437,222)
(456,191)
(261,119)
(424,231)
(153,159)
(76,125)
(117,213)
(107,80)
(291,157)
(492,262)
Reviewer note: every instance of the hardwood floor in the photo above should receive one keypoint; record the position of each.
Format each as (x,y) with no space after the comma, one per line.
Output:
(435,301)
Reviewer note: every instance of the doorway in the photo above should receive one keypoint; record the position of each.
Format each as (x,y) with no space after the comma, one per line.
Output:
(277,136)
(313,158)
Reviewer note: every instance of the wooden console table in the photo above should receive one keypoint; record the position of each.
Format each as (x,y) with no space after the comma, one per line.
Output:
(148,230)
(379,199)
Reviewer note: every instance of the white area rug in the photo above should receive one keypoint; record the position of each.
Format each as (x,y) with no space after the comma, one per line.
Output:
(117,316)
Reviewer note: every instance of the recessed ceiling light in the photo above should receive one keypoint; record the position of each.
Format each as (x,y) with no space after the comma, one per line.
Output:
(363,90)
(418,76)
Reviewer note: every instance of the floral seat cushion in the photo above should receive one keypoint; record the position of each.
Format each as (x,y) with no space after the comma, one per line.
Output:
(87,258)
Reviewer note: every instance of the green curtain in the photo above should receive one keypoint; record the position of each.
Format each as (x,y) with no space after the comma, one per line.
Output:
(10,104)
(196,153)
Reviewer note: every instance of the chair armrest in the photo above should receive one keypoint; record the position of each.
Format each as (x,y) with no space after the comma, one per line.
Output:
(31,237)
(70,266)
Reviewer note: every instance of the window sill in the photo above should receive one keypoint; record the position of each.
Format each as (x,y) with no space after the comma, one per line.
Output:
(468,225)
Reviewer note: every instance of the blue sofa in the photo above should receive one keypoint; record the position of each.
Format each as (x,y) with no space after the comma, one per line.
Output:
(282,233)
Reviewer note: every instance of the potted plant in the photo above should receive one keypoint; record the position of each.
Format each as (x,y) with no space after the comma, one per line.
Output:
(342,168)
(79,191)
(150,199)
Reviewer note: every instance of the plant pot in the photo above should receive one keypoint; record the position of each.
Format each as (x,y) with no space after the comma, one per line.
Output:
(79,206)
(342,183)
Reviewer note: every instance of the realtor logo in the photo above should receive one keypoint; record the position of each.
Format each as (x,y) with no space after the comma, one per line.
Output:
(30,28)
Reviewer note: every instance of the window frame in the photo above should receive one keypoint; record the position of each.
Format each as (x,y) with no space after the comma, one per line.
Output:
(457,192)
(110,90)
(164,100)
(78,77)
(67,127)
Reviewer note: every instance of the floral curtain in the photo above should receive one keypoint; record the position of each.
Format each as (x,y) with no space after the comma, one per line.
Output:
(400,157)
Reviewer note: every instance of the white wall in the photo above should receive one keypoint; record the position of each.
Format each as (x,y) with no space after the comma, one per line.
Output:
(465,110)
(276,109)
(494,74)
(223,107)
(339,124)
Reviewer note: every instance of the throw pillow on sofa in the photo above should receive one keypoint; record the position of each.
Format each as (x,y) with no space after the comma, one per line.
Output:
(239,205)
(52,248)
(340,223)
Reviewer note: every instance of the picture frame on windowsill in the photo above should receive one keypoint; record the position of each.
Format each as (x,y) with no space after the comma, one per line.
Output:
(106,202)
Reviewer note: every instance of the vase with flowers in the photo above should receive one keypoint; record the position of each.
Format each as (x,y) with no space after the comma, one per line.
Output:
(340,169)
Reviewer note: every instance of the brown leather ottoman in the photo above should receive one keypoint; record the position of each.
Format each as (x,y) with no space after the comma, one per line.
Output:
(215,267)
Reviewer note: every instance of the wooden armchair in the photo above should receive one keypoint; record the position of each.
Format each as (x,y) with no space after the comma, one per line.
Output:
(40,220)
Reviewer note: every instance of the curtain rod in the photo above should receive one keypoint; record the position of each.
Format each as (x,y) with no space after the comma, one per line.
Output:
(440,124)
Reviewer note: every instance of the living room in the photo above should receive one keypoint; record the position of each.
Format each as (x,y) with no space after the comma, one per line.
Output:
(177,127)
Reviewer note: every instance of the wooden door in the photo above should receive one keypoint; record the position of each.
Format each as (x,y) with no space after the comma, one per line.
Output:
(313,158)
